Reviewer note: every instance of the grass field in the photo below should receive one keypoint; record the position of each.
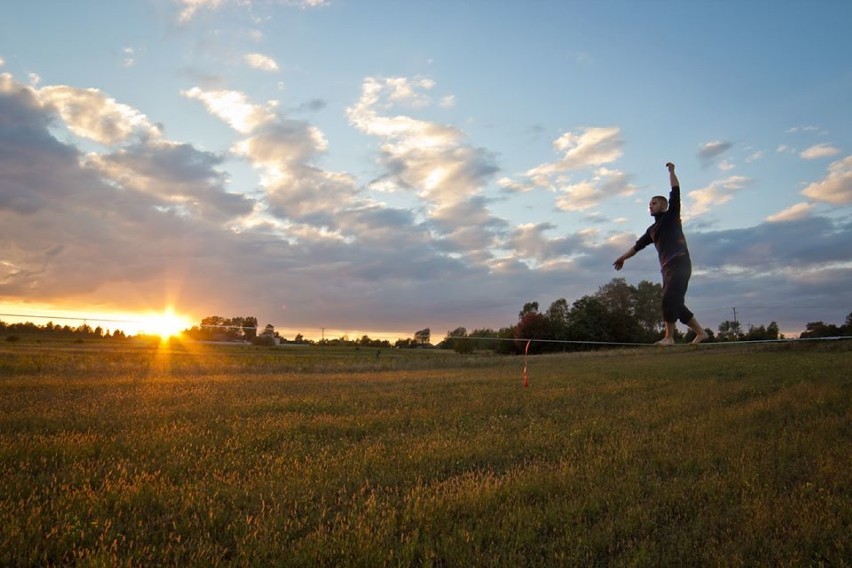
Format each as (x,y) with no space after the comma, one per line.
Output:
(120,454)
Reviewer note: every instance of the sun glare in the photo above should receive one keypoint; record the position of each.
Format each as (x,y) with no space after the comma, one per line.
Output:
(166,324)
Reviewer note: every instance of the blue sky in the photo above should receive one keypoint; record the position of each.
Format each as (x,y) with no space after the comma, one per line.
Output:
(381,167)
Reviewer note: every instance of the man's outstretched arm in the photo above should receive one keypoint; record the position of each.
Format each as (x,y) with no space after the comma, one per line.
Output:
(619,262)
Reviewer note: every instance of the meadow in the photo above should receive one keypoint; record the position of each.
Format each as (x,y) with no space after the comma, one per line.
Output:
(139,454)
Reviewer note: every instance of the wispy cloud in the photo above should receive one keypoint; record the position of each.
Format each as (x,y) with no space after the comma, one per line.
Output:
(587,148)
(233,107)
(819,151)
(710,151)
(261,62)
(717,193)
(191,7)
(129,57)
(793,213)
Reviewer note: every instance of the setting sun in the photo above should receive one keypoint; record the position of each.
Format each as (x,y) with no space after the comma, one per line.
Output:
(166,324)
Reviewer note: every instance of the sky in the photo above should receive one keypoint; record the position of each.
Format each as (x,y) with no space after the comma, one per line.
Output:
(350,167)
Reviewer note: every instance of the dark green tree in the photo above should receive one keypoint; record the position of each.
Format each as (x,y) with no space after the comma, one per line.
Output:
(589,320)
(817,329)
(647,310)
(730,331)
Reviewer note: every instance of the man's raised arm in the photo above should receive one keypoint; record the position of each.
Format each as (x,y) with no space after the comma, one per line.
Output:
(672,177)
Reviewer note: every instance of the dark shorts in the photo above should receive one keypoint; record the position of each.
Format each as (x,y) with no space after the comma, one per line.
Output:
(675,282)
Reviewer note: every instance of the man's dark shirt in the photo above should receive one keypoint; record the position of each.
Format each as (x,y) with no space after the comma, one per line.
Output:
(666,233)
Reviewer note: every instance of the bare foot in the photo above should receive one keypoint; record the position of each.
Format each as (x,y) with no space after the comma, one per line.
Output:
(665,341)
(699,338)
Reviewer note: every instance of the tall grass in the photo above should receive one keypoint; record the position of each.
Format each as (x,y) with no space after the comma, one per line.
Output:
(187,456)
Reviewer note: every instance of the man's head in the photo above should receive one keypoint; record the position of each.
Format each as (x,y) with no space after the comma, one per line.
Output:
(658,205)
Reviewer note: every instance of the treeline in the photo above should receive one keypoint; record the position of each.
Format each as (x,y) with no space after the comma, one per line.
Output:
(616,313)
(218,328)
(13,331)
(817,329)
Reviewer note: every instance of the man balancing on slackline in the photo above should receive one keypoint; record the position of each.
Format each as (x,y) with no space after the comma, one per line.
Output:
(667,235)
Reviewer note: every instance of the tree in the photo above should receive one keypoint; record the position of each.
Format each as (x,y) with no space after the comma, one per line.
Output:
(649,297)
(816,329)
(231,328)
(558,316)
(453,341)
(423,336)
(761,333)
(730,331)
(589,320)
(619,298)
(529,308)
(618,295)
(532,325)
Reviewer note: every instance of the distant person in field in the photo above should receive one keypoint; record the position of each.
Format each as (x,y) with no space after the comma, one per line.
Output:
(667,235)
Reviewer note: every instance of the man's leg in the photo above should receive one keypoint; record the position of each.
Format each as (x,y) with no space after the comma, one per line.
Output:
(675,283)
(668,339)
(700,334)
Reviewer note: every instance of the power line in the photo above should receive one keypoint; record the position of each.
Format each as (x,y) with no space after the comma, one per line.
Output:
(85,319)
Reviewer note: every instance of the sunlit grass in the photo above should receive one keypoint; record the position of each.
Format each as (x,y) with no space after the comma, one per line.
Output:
(183,455)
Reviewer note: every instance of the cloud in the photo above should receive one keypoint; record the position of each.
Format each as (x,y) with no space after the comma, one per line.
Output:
(233,107)
(804,128)
(180,176)
(37,170)
(793,213)
(431,160)
(261,62)
(589,193)
(93,233)
(284,151)
(530,242)
(593,146)
(192,7)
(819,151)
(92,114)
(804,243)
(129,57)
(836,187)
(755,156)
(710,151)
(717,193)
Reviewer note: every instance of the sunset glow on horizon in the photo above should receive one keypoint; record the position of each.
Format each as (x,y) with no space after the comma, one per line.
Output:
(165,323)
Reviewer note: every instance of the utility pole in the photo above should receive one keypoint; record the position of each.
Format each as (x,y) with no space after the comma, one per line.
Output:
(735,315)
